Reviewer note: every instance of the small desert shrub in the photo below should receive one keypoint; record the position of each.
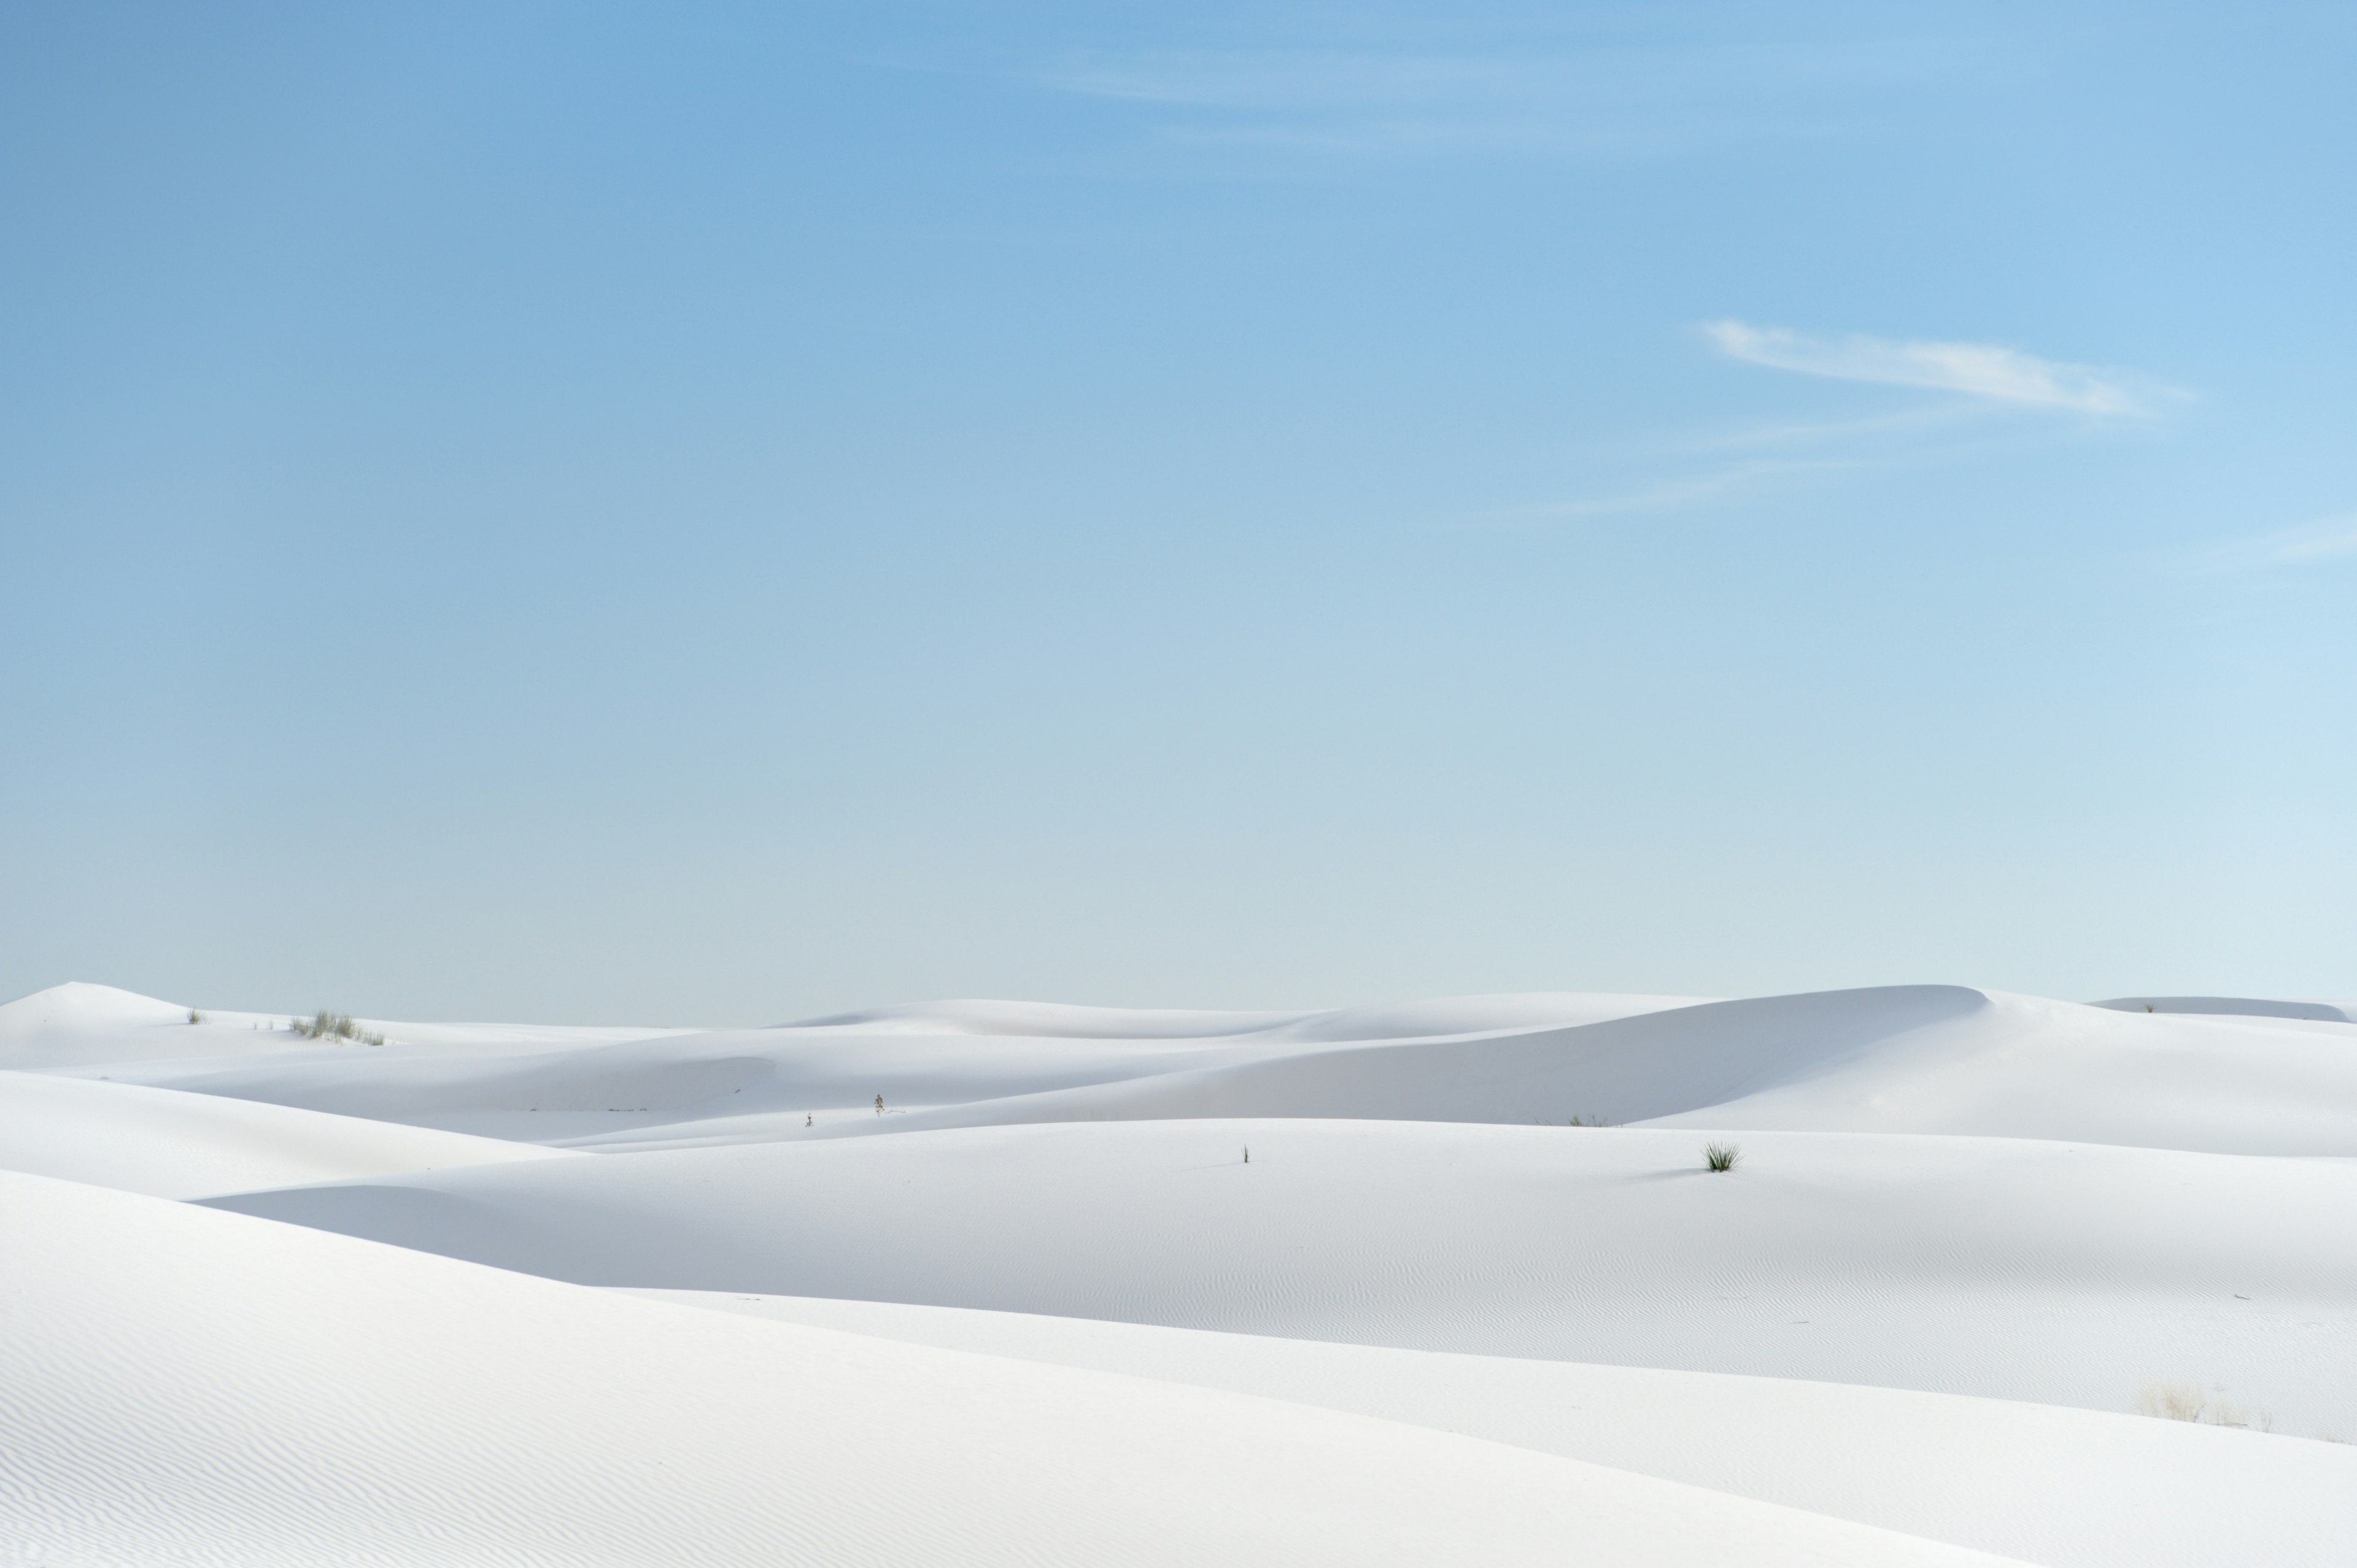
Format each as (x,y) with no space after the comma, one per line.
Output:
(1721,1157)
(327,1026)
(195,1016)
(2171,1401)
(2191,1401)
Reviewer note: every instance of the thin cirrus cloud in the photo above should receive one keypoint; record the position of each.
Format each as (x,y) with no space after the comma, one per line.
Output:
(2319,542)
(2333,540)
(1725,483)
(1985,374)
(1977,370)
(1548,98)
(2326,546)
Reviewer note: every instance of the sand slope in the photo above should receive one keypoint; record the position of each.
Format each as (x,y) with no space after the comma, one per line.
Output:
(183,1386)
(1438,1307)
(1893,1059)
(92,1028)
(937,1054)
(2336,1012)
(2013,1268)
(2045,1485)
(171,1144)
(1905,1058)
(76,1025)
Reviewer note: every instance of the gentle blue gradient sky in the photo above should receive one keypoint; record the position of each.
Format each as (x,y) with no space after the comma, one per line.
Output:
(720,512)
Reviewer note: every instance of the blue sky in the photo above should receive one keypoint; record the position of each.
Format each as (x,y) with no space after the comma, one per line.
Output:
(724,512)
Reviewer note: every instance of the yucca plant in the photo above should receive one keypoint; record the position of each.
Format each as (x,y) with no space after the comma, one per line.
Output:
(1721,1157)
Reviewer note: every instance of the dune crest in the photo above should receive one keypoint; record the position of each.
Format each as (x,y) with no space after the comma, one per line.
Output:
(1195,1286)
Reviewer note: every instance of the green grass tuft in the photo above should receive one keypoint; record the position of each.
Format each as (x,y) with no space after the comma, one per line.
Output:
(327,1026)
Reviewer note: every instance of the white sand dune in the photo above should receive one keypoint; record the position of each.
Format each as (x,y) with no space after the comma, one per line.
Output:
(2066,1274)
(171,1144)
(78,1025)
(1899,1060)
(92,1028)
(1894,1059)
(2033,1482)
(2337,1012)
(962,1054)
(1044,1021)
(1970,1229)
(1438,1015)
(182,1386)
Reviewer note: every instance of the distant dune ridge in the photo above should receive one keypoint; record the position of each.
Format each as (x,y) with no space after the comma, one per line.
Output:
(1917,1058)
(498,1293)
(2344,1012)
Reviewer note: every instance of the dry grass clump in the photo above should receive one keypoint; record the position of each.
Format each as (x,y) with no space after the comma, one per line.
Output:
(327,1026)
(2186,1401)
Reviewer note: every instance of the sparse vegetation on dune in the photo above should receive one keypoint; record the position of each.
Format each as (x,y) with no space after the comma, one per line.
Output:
(325,1025)
(2186,1401)
(1722,1156)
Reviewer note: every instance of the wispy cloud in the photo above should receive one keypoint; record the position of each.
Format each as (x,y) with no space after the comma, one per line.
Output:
(1297,82)
(1727,466)
(1558,96)
(2311,544)
(1977,370)
(1721,484)
(1901,426)
(2318,542)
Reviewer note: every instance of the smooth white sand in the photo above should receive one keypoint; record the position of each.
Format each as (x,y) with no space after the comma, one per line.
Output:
(118,1033)
(1423,1286)
(178,1385)
(2029,1481)
(1893,1059)
(171,1144)
(2015,1269)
